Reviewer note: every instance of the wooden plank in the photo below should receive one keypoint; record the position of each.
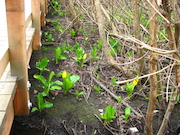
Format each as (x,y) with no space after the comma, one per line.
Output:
(6,77)
(29,39)
(7,91)
(36,23)
(4,102)
(17,41)
(4,59)
(7,120)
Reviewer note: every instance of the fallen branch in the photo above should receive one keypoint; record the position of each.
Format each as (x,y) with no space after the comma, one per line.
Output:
(116,97)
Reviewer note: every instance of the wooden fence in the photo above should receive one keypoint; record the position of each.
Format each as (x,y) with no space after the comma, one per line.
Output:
(20,28)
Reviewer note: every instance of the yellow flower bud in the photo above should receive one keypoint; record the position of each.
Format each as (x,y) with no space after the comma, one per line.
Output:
(64,74)
(135,82)
(84,56)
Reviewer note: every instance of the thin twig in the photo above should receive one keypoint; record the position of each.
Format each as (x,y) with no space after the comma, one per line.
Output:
(144,76)
(144,45)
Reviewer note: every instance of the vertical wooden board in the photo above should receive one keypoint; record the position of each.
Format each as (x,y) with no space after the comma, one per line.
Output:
(17,41)
(42,2)
(36,23)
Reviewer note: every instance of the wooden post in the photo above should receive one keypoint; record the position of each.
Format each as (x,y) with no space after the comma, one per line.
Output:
(17,49)
(46,7)
(42,12)
(36,24)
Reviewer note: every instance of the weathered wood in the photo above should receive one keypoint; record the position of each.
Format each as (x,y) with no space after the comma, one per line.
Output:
(4,59)
(42,7)
(6,120)
(29,39)
(7,91)
(17,52)
(36,24)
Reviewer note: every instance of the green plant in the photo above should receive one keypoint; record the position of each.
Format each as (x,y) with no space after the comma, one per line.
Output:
(86,40)
(114,81)
(109,114)
(68,80)
(94,53)
(78,94)
(58,28)
(119,99)
(81,56)
(41,104)
(58,56)
(72,33)
(130,86)
(97,88)
(42,64)
(99,44)
(49,84)
(115,47)
(48,36)
(127,112)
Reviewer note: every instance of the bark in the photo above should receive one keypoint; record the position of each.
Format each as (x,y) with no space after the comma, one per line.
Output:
(109,58)
(152,68)
(173,44)
(74,17)
(136,29)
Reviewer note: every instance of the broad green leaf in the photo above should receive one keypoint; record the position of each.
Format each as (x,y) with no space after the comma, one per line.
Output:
(50,77)
(56,88)
(127,111)
(40,101)
(74,79)
(57,82)
(62,57)
(34,109)
(41,78)
(129,87)
(47,105)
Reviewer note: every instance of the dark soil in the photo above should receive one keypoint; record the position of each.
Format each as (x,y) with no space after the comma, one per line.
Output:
(69,116)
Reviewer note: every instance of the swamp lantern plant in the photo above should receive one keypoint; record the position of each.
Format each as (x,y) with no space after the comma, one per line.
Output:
(68,80)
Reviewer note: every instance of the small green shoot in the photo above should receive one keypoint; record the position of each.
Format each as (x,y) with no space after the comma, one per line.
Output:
(48,36)
(94,53)
(130,86)
(48,85)
(42,64)
(119,99)
(127,112)
(109,114)
(58,56)
(41,104)
(58,28)
(78,94)
(72,33)
(97,88)
(114,81)
(81,56)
